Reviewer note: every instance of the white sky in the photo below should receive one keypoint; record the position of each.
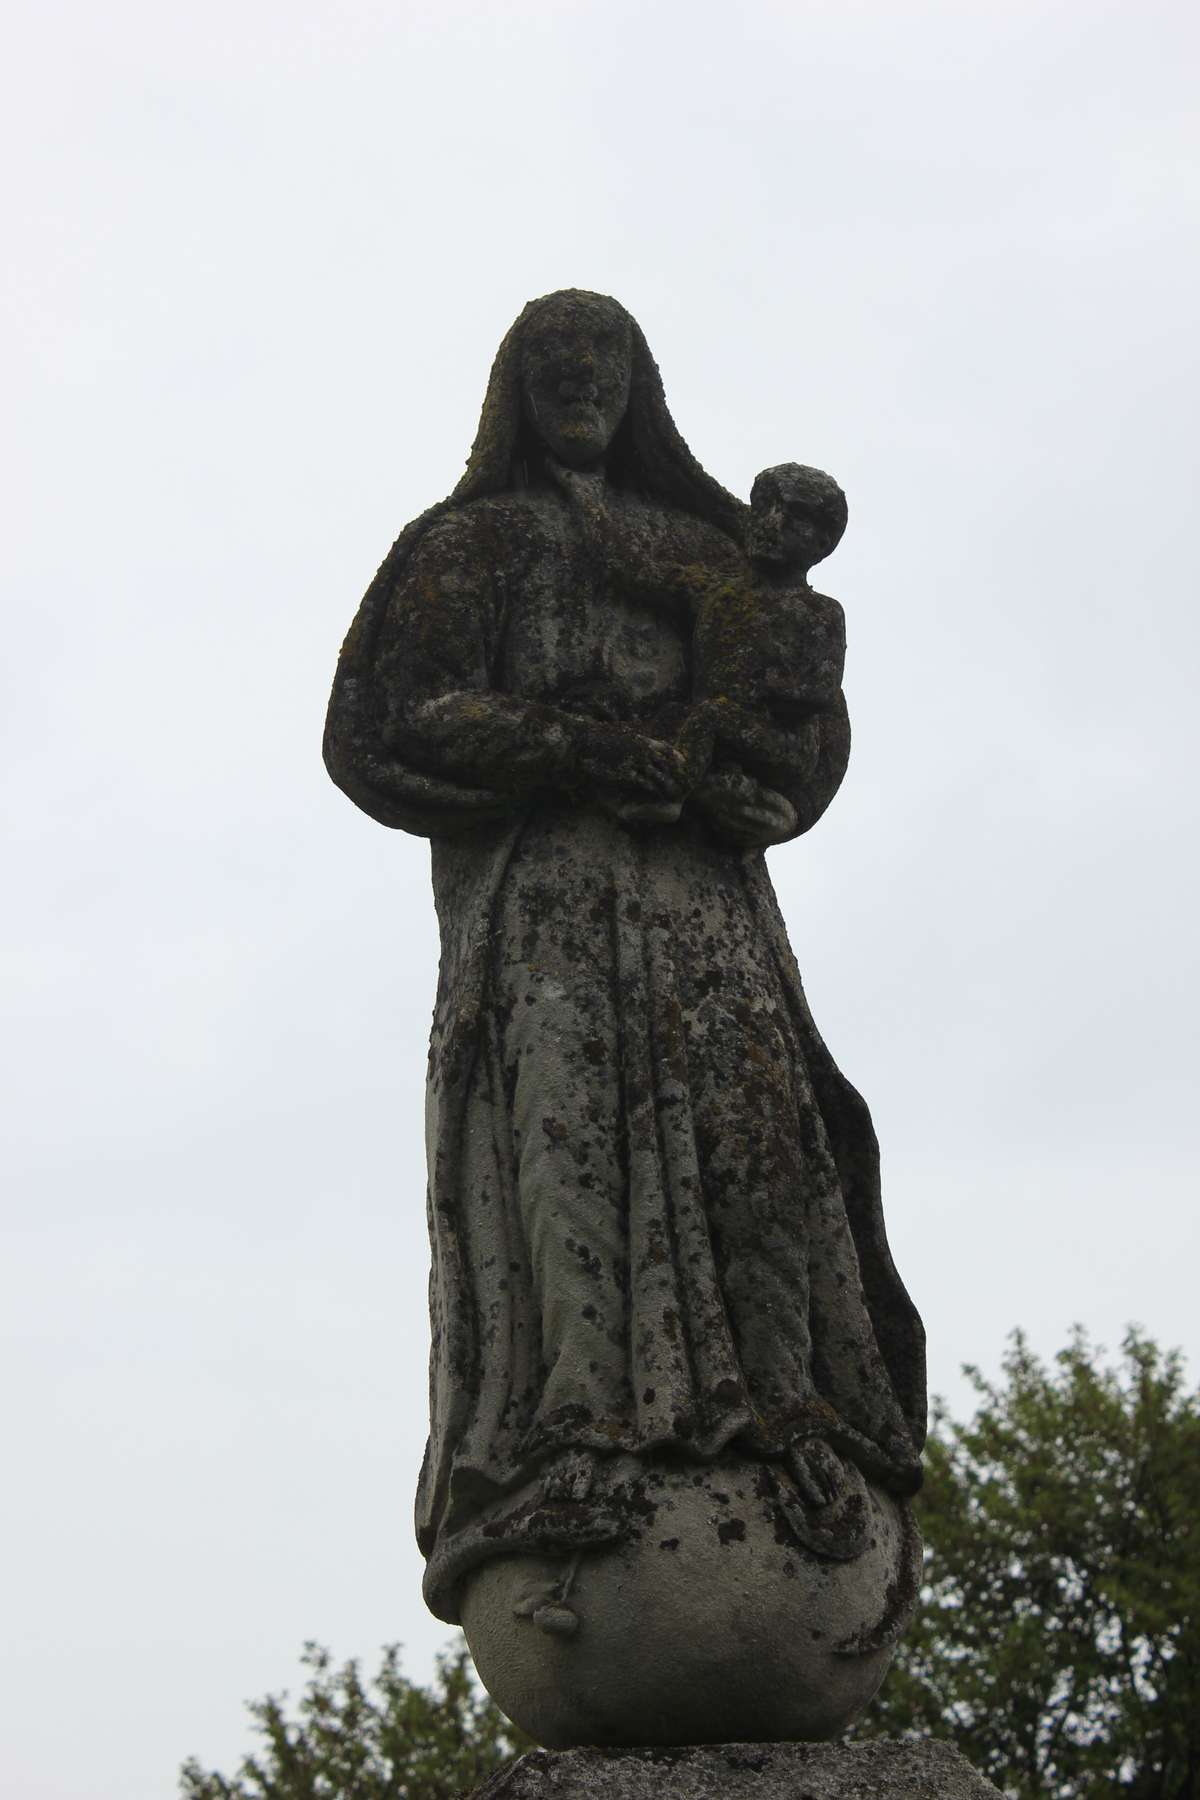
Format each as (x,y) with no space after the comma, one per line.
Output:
(261,257)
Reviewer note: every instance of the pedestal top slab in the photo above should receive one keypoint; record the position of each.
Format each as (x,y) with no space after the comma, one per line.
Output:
(883,1770)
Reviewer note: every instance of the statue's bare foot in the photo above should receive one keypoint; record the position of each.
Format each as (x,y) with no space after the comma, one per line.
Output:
(825,1502)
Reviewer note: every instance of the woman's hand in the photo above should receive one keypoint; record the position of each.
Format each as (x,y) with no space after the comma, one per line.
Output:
(744,811)
(629,769)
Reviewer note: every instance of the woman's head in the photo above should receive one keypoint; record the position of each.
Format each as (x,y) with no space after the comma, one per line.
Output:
(574,377)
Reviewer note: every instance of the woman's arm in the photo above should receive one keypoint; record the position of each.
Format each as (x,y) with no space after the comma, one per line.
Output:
(521,746)
(420,738)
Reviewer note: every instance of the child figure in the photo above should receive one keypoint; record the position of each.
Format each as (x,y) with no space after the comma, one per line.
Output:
(768,651)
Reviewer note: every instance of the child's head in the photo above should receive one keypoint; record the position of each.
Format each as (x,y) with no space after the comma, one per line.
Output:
(797,516)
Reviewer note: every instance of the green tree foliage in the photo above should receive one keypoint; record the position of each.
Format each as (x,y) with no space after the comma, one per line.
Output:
(387,1739)
(1059,1642)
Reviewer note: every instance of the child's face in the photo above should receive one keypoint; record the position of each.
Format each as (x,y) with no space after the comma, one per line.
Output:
(787,527)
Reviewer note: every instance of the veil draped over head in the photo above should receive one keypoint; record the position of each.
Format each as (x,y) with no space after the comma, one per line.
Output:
(647,457)
(647,454)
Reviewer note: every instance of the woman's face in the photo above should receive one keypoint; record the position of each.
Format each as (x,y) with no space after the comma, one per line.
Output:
(576,365)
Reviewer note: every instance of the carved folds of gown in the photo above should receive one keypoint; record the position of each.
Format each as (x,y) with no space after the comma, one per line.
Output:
(653,1199)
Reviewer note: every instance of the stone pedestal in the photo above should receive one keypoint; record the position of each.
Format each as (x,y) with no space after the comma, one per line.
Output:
(873,1771)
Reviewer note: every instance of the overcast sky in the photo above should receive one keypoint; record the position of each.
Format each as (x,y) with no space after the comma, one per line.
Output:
(261,255)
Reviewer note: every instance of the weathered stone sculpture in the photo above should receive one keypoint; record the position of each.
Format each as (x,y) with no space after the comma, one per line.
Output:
(677,1388)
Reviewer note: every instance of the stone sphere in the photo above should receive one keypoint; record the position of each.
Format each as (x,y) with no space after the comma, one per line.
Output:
(711,1625)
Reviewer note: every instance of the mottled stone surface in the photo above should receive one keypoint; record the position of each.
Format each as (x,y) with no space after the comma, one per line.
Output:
(711,1619)
(601,686)
(878,1771)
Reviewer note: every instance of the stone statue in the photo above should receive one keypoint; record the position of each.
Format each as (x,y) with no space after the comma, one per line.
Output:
(677,1388)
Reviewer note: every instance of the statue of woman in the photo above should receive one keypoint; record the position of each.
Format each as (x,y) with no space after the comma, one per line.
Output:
(658,1252)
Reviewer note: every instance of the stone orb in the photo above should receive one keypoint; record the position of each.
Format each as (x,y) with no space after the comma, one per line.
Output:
(710,1626)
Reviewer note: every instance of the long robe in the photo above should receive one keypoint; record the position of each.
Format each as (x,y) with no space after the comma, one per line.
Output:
(653,1200)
